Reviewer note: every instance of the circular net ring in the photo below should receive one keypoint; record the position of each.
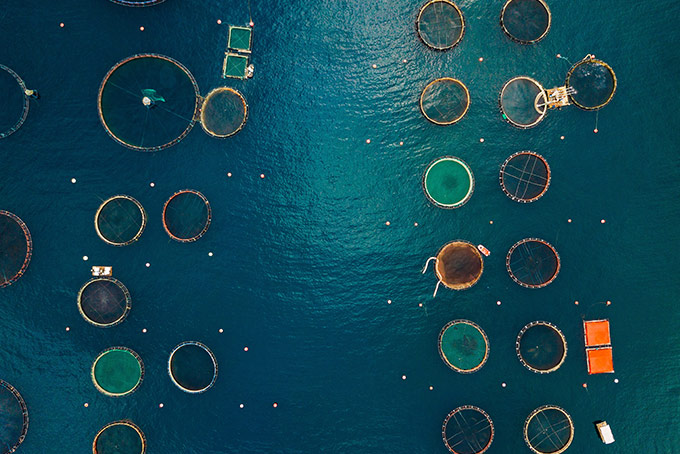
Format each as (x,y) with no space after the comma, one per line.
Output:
(99,219)
(465,341)
(212,358)
(130,389)
(430,176)
(592,61)
(468,263)
(175,235)
(529,277)
(10,446)
(548,432)
(539,104)
(24,111)
(226,128)
(12,275)
(89,313)
(437,88)
(468,440)
(138,3)
(440,24)
(531,367)
(540,6)
(100,438)
(525,176)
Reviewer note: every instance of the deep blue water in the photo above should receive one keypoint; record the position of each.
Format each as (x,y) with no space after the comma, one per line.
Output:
(304,263)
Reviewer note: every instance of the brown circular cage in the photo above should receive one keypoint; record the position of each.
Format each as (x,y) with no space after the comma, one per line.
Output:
(525,176)
(186,216)
(120,220)
(541,347)
(16,248)
(13,418)
(224,112)
(119,437)
(533,263)
(440,24)
(104,302)
(526,21)
(548,430)
(467,430)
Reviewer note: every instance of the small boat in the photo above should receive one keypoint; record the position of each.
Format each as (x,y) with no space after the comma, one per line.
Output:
(102,271)
(605,432)
(483,250)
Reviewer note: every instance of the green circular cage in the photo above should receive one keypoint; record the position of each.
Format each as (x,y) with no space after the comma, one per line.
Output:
(14,102)
(119,437)
(533,263)
(463,346)
(104,302)
(541,347)
(440,24)
(445,101)
(120,220)
(593,83)
(448,182)
(548,430)
(526,21)
(138,2)
(224,112)
(16,248)
(117,371)
(467,430)
(523,102)
(192,367)
(13,418)
(186,216)
(525,176)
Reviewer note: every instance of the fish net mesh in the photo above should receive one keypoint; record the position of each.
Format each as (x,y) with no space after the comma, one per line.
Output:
(224,112)
(187,216)
(523,102)
(192,367)
(525,176)
(104,302)
(445,101)
(541,347)
(463,346)
(533,263)
(467,430)
(15,104)
(526,21)
(120,220)
(16,248)
(440,24)
(593,83)
(548,430)
(13,418)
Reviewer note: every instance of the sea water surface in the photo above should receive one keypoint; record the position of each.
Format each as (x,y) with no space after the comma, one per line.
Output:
(303,261)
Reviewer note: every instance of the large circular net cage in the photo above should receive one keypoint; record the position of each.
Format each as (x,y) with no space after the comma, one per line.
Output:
(14,102)
(137,2)
(593,82)
(541,347)
(526,21)
(148,102)
(533,263)
(463,346)
(16,248)
(440,24)
(104,302)
(448,182)
(13,418)
(467,430)
(117,371)
(120,220)
(119,437)
(187,216)
(548,430)
(224,112)
(523,102)
(459,265)
(445,101)
(525,176)
(192,367)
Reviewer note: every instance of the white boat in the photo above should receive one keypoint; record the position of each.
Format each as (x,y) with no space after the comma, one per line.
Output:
(102,271)
(605,432)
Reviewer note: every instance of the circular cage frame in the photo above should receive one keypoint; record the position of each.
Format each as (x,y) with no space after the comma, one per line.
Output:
(212,357)
(120,285)
(591,59)
(121,422)
(542,93)
(24,410)
(29,248)
(537,411)
(145,219)
(24,112)
(439,80)
(138,4)
(212,93)
(157,147)
(514,197)
(519,354)
(207,224)
(127,393)
(522,41)
(459,409)
(486,345)
(462,22)
(524,284)
(467,285)
(465,199)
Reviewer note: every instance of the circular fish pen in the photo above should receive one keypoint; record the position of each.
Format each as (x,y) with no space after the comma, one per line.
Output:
(224,112)
(13,418)
(532,263)
(120,220)
(104,302)
(192,367)
(445,101)
(119,437)
(440,24)
(525,176)
(458,265)
(548,430)
(148,102)
(593,82)
(541,347)
(463,346)
(186,216)
(523,102)
(16,248)
(448,182)
(467,430)
(526,21)
(14,102)
(138,2)
(117,371)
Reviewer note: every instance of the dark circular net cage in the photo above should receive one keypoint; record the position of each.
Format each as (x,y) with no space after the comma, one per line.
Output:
(526,21)
(224,112)
(448,182)
(119,437)
(541,347)
(104,302)
(459,265)
(148,102)
(192,367)
(593,82)
(16,248)
(117,371)
(463,346)
(548,430)
(137,2)
(440,24)
(15,105)
(525,176)
(187,216)
(120,220)
(13,418)
(445,101)
(523,102)
(532,263)
(467,430)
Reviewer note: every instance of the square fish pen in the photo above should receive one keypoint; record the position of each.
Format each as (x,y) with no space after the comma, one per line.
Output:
(234,66)
(240,39)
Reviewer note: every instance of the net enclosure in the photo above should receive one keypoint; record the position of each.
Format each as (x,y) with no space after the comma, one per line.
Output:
(186,216)
(192,367)
(440,24)
(445,101)
(13,418)
(548,430)
(600,360)
(526,21)
(593,82)
(532,263)
(119,437)
(523,102)
(467,430)
(138,2)
(541,347)
(14,102)
(224,112)
(240,38)
(16,248)
(525,176)
(120,220)
(234,66)
(458,265)
(463,346)
(596,333)
(448,182)
(148,102)
(117,371)
(104,302)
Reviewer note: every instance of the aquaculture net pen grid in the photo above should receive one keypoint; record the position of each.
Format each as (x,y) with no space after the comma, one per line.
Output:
(593,83)
(445,101)
(526,21)
(16,248)
(187,216)
(186,372)
(117,371)
(440,24)
(104,302)
(548,430)
(240,38)
(525,176)
(532,263)
(7,129)
(120,220)
(463,346)
(471,430)
(224,112)
(523,102)
(119,437)
(551,352)
(138,2)
(442,185)
(14,415)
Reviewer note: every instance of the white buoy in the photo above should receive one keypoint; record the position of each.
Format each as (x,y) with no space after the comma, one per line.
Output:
(86,258)
(73,180)
(147,264)
(146,101)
